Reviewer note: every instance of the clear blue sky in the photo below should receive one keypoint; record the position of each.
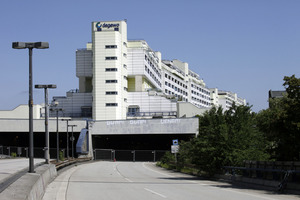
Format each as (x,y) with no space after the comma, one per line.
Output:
(243,46)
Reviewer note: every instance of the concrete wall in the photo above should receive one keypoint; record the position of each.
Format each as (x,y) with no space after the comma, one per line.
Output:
(31,186)
(149,103)
(185,109)
(21,112)
(22,125)
(149,126)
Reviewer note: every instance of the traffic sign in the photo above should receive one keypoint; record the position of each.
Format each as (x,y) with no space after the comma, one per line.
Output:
(175,142)
(175,148)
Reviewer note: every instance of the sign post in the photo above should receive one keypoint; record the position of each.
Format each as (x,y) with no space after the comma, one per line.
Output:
(175,149)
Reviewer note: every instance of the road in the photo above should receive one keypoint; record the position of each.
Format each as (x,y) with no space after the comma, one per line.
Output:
(143,181)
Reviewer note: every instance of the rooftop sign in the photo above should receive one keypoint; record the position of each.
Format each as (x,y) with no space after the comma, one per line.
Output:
(100,25)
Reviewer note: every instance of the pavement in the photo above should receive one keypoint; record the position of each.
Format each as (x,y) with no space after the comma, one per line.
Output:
(17,184)
(13,168)
(135,181)
(9,167)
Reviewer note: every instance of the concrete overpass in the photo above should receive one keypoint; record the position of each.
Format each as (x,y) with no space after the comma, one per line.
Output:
(140,134)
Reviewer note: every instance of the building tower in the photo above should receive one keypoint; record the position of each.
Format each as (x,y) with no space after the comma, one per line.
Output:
(109,45)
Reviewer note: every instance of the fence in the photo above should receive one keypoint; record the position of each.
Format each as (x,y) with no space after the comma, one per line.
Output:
(284,172)
(128,155)
(24,152)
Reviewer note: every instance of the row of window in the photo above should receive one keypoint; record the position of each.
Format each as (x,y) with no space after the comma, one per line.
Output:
(154,67)
(201,101)
(200,95)
(175,81)
(111,58)
(176,89)
(152,75)
(114,57)
(179,96)
(114,69)
(200,89)
(114,104)
(110,46)
(229,103)
(100,29)
(111,81)
(111,69)
(111,93)
(111,104)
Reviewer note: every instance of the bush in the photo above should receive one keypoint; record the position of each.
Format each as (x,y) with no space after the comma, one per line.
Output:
(167,158)
(61,156)
(13,154)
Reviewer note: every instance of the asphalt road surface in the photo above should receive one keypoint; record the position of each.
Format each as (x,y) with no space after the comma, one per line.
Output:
(143,181)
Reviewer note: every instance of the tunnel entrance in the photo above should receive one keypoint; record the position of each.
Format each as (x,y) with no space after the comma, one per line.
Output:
(135,147)
(138,142)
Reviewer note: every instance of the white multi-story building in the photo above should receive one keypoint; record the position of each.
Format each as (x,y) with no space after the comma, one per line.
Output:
(109,45)
(119,79)
(225,99)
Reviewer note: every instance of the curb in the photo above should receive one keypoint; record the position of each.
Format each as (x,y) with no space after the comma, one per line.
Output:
(31,186)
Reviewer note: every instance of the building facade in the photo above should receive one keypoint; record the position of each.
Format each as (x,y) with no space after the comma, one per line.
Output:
(120,79)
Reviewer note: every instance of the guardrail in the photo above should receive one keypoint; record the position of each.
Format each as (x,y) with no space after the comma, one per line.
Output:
(281,175)
(60,165)
(128,155)
(13,151)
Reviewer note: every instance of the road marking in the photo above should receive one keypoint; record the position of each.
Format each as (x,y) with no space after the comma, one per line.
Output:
(203,184)
(163,196)
(157,171)
(127,179)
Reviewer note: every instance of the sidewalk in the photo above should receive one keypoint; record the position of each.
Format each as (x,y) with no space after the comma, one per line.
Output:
(17,184)
(9,167)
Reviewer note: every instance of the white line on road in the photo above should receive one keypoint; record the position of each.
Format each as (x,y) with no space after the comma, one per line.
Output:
(203,184)
(157,171)
(127,179)
(163,196)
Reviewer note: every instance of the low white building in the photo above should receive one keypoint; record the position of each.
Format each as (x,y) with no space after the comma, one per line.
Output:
(225,99)
(22,112)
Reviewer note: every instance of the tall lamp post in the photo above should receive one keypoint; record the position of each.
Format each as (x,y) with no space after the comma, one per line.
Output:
(72,138)
(67,136)
(57,133)
(47,156)
(30,46)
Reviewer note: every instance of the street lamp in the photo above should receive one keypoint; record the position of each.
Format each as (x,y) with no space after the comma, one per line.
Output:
(72,140)
(57,133)
(30,46)
(47,156)
(67,135)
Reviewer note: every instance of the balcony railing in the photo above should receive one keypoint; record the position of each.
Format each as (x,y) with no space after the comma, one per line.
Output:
(151,114)
(72,115)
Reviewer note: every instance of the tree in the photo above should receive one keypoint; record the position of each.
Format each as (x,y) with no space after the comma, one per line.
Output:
(281,122)
(225,138)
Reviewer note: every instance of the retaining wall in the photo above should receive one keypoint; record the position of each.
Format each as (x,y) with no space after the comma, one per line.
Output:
(31,186)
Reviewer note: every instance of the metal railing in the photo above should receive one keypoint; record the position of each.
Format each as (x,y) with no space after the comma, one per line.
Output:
(282,175)
(128,155)
(73,115)
(12,151)
(151,114)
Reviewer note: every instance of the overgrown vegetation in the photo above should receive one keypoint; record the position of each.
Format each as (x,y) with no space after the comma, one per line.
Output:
(227,138)
(61,156)
(281,123)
